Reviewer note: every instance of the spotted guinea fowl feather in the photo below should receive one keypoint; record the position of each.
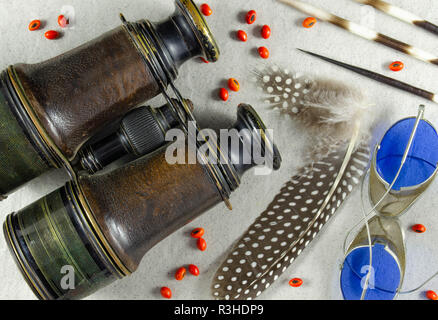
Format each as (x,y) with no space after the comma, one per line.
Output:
(326,108)
(288,225)
(332,113)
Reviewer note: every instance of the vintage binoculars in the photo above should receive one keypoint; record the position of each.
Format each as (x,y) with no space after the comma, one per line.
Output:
(102,225)
(49,110)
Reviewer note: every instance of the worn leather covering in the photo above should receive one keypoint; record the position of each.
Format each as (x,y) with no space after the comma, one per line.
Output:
(140,204)
(79,92)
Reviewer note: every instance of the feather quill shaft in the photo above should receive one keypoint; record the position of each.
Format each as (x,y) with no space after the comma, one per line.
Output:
(380,78)
(401,14)
(363,32)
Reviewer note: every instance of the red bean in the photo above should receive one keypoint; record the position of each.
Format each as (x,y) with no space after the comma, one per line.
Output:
(309,22)
(233,84)
(266,32)
(194,270)
(396,66)
(206,10)
(431,295)
(197,233)
(295,282)
(242,36)
(251,17)
(166,292)
(51,34)
(419,228)
(180,273)
(264,52)
(202,244)
(34,25)
(223,94)
(63,21)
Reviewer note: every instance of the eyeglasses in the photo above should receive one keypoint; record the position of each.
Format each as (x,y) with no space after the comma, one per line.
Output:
(403,166)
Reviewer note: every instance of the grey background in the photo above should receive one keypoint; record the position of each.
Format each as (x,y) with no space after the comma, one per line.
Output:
(319,264)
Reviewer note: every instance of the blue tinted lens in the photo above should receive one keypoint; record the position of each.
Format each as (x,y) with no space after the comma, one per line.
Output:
(423,156)
(385,274)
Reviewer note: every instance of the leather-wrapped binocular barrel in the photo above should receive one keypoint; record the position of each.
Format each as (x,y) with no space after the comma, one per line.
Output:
(102,223)
(50,109)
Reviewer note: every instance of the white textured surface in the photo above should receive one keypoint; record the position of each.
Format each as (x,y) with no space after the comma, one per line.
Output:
(319,264)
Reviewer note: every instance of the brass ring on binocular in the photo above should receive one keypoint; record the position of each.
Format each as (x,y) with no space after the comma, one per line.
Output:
(191,12)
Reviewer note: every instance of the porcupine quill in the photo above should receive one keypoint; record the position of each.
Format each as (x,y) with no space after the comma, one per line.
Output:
(362,31)
(331,112)
(380,78)
(401,14)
